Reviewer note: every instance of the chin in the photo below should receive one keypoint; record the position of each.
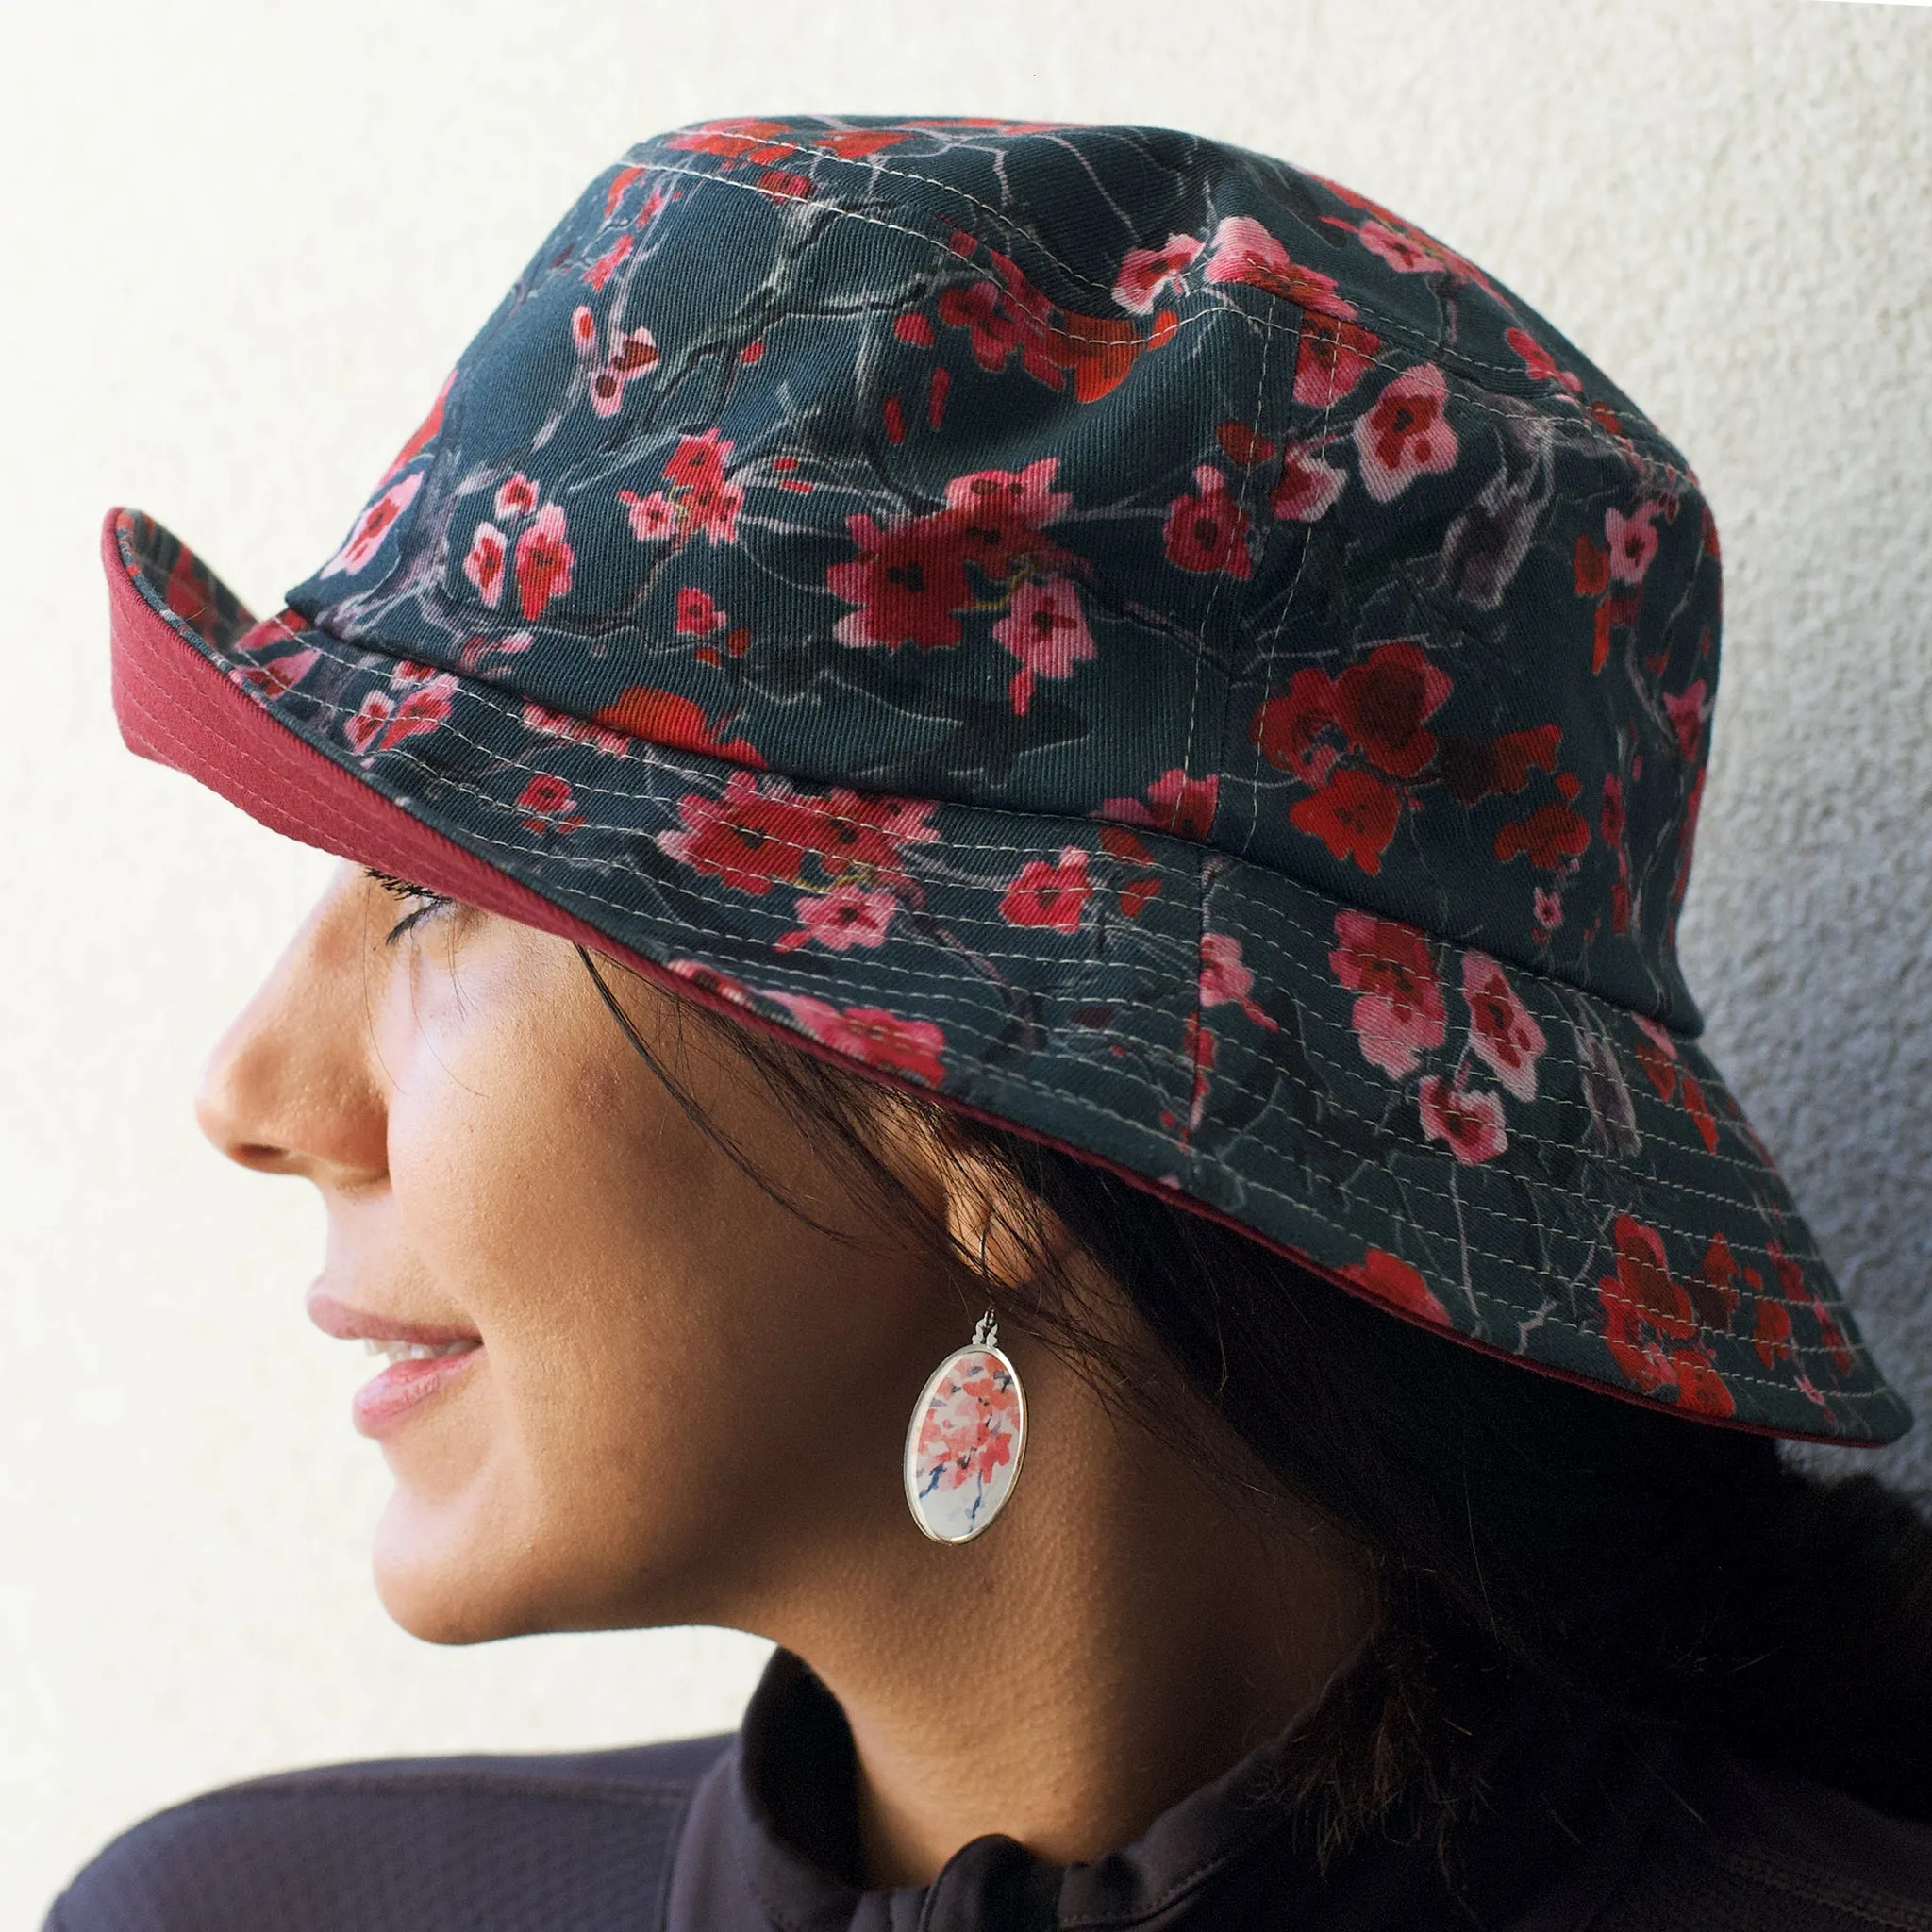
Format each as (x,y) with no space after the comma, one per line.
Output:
(440,1581)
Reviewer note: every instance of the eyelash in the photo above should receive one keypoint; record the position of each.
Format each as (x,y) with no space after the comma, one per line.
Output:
(405,889)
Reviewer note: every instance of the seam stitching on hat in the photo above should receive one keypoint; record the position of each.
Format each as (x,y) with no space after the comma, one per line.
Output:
(554,855)
(1880,1395)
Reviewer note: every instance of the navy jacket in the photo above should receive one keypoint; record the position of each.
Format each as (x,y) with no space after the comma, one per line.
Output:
(1610,1831)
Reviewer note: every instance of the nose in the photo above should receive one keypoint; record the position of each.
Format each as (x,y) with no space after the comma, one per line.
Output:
(293,1087)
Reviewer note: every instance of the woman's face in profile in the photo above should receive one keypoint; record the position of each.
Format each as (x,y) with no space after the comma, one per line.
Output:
(656,1392)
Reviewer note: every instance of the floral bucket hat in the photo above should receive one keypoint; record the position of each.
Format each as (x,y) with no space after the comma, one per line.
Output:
(1105,628)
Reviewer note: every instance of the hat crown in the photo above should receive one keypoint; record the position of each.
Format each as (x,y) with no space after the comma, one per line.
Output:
(1088,471)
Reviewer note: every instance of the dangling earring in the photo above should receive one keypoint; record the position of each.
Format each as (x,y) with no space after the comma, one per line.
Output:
(968,1434)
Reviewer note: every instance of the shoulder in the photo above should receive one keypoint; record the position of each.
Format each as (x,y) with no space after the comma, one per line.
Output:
(1734,1846)
(483,1844)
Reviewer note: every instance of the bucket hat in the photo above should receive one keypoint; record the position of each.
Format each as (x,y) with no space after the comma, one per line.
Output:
(1107,629)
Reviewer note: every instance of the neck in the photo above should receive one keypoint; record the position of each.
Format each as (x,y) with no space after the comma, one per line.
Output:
(1125,1633)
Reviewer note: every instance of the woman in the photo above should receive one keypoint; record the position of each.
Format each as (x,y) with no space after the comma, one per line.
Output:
(1006,1008)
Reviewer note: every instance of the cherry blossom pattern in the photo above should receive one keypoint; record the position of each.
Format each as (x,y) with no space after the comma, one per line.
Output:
(373,527)
(608,369)
(1335,350)
(1206,529)
(1050,895)
(700,502)
(1307,487)
(1046,630)
(1391,1281)
(383,720)
(1406,434)
(548,805)
(275,677)
(1468,1119)
(1399,1013)
(910,582)
(485,564)
(910,1049)
(1174,802)
(1146,272)
(544,562)
(848,916)
(1226,981)
(1503,1032)
(965,1446)
(1644,1309)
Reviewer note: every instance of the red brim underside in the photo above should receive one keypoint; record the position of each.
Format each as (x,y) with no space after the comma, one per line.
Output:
(177,707)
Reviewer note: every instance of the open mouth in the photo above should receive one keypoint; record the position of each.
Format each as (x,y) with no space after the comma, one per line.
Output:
(417,1372)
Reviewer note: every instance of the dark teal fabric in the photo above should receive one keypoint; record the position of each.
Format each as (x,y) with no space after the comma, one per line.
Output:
(1124,634)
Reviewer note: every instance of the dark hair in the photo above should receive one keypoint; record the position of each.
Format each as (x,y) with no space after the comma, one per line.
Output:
(1522,1532)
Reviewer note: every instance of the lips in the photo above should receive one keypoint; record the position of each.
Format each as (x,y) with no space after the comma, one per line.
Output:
(425,1361)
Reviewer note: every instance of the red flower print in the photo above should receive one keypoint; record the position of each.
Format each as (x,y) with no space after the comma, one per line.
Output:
(710,980)
(1641,1302)
(1355,814)
(365,727)
(1590,568)
(1657,1054)
(979,310)
(1687,710)
(1631,541)
(1331,358)
(697,616)
(914,330)
(1770,1332)
(373,525)
(1536,360)
(1287,729)
(382,723)
(1008,506)
(1400,1014)
(549,805)
(1547,837)
(1713,1288)
(910,1048)
(1049,895)
(484,566)
(605,264)
(1610,819)
(1701,1116)
(662,717)
(752,839)
(1503,1032)
(419,438)
(1045,629)
(846,916)
(1700,1387)
(1405,252)
(543,561)
(1144,273)
(737,141)
(1467,1118)
(1308,487)
(864,831)
(1245,251)
(1175,803)
(1798,1292)
(1226,981)
(1548,913)
(278,676)
(1240,444)
(1392,1281)
(784,186)
(1477,768)
(1208,531)
(707,503)
(1405,435)
(516,496)
(1381,706)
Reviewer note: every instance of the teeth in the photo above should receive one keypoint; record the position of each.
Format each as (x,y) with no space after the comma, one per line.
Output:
(416,1351)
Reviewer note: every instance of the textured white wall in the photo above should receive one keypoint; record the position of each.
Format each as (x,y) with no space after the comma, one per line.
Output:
(242,244)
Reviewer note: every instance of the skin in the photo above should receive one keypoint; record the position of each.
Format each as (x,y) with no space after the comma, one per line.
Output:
(689,1405)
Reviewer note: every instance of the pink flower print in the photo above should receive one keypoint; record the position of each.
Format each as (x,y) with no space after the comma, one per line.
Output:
(1245,251)
(475,650)
(1015,502)
(583,328)
(1175,803)
(1469,1118)
(1045,629)
(543,561)
(1226,981)
(605,264)
(1049,895)
(1145,272)
(630,355)
(516,496)
(845,917)
(697,615)
(373,525)
(652,518)
(910,1048)
(1400,1014)
(1547,912)
(1688,709)
(1331,358)
(708,505)
(1405,434)
(707,980)
(1632,541)
(548,805)
(381,724)
(484,566)
(365,727)
(1403,252)
(1207,530)
(1503,1032)
(1308,487)
(277,678)
(753,837)
(575,730)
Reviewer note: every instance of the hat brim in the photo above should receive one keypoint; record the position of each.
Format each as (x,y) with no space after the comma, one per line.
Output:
(1593,1205)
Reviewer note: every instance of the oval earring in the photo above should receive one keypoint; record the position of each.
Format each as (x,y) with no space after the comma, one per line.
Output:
(967,1437)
